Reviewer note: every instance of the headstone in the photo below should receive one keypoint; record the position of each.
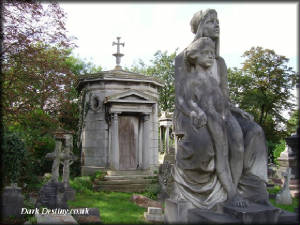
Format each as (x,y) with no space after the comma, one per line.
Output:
(154,215)
(284,196)
(12,202)
(52,195)
(165,176)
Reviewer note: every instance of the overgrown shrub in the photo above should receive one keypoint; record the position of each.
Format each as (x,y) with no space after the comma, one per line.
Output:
(13,154)
(152,191)
(99,175)
(82,184)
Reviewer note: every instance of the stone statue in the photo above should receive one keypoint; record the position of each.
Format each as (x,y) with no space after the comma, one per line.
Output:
(221,153)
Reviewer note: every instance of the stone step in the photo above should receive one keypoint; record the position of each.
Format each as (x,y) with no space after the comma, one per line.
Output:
(130,177)
(295,193)
(124,181)
(121,188)
(128,172)
(294,186)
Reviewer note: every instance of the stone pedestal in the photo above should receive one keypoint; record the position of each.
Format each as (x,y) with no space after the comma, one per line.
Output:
(12,202)
(181,211)
(254,213)
(176,211)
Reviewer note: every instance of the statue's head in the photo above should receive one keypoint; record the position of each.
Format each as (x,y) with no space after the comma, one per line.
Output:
(201,52)
(206,24)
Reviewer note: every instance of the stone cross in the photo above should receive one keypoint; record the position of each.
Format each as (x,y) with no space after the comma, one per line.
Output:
(56,156)
(118,55)
(68,159)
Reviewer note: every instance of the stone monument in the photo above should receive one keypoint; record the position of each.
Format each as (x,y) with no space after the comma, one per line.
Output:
(220,172)
(119,120)
(55,194)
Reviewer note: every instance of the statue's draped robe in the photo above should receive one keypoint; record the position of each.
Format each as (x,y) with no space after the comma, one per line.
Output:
(194,172)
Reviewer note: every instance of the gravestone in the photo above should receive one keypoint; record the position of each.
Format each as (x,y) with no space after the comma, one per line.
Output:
(284,196)
(118,120)
(154,215)
(12,202)
(52,195)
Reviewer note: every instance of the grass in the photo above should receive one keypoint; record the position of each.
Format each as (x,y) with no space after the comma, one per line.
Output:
(290,208)
(115,207)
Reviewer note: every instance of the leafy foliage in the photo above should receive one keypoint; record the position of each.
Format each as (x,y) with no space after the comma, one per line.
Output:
(34,50)
(13,153)
(278,149)
(82,184)
(162,67)
(263,88)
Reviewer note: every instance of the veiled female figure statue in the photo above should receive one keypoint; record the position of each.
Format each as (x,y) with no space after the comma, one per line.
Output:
(222,155)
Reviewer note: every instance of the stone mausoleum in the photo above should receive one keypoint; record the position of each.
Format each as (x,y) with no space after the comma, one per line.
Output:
(119,120)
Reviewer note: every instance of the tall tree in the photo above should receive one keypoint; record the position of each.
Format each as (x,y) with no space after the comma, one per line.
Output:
(34,51)
(263,87)
(162,67)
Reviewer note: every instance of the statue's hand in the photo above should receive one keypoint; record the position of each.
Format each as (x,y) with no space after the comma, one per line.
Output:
(199,119)
(238,201)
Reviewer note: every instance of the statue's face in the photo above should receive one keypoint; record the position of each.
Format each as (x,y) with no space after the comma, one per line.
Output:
(205,56)
(211,27)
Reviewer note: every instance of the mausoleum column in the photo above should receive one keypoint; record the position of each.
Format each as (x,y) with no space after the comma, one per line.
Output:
(147,154)
(167,139)
(115,141)
(161,140)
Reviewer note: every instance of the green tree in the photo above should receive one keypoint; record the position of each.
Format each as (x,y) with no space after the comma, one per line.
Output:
(263,88)
(293,122)
(163,67)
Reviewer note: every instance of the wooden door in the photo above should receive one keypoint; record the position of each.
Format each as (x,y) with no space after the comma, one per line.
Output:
(128,142)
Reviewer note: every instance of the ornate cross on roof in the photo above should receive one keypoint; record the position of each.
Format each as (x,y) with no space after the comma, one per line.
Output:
(118,55)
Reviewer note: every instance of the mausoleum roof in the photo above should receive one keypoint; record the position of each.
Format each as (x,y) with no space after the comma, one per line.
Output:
(117,75)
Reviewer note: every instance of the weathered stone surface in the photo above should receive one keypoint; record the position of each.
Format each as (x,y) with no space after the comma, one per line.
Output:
(284,196)
(55,219)
(254,213)
(145,202)
(12,202)
(52,195)
(93,216)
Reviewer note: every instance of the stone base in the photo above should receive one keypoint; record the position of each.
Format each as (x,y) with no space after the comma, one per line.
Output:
(254,213)
(286,217)
(176,211)
(183,212)
(55,219)
(202,216)
(90,170)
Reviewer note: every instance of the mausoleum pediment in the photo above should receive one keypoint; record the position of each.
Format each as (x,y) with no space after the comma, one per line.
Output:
(131,96)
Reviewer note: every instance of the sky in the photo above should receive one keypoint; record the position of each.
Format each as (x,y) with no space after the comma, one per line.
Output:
(148,27)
